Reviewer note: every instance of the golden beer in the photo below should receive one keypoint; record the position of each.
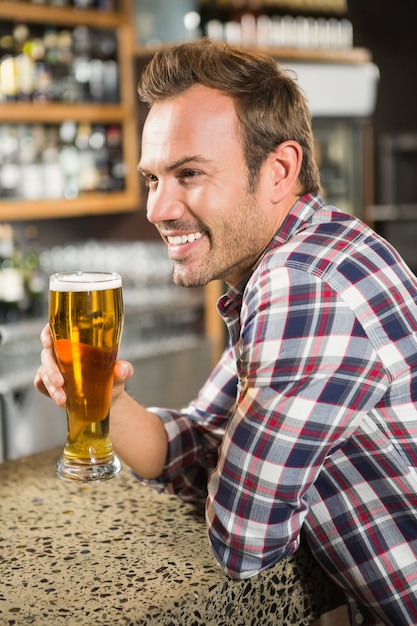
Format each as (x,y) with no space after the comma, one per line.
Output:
(86,320)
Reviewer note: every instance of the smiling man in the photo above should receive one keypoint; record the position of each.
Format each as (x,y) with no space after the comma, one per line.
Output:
(309,421)
(199,197)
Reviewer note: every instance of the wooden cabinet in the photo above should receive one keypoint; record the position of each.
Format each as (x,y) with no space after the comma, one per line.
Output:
(120,113)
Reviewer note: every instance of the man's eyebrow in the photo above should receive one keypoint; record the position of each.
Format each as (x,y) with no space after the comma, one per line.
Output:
(175,164)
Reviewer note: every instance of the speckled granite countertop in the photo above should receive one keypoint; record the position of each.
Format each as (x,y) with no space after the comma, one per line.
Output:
(115,553)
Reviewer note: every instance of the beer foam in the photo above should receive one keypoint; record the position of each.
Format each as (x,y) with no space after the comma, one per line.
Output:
(84,281)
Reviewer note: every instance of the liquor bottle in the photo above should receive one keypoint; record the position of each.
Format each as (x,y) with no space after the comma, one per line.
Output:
(31,146)
(82,43)
(69,159)
(89,176)
(11,278)
(24,65)
(117,167)
(10,170)
(68,90)
(98,145)
(53,174)
(35,279)
(8,84)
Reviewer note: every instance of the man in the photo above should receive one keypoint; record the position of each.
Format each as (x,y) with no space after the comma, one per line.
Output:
(309,420)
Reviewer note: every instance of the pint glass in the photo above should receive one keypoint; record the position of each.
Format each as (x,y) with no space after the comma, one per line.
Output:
(86,319)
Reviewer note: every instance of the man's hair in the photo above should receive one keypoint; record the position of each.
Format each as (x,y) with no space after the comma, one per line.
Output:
(269,105)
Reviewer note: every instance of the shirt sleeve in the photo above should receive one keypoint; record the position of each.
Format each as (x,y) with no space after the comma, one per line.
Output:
(194,434)
(308,375)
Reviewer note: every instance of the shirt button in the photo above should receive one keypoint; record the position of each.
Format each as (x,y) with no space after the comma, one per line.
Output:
(359,618)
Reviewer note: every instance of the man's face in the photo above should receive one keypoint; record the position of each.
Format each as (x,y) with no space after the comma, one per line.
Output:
(193,163)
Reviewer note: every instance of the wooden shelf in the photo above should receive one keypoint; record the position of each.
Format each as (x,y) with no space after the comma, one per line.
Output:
(94,113)
(55,113)
(94,204)
(324,55)
(38,14)
(305,55)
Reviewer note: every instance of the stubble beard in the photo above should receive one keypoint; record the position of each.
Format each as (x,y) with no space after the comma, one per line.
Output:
(230,266)
(184,279)
(231,253)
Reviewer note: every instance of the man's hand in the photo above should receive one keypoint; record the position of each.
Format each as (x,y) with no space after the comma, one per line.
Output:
(49,380)
(138,436)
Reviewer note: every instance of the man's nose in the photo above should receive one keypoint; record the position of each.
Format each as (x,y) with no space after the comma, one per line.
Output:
(164,205)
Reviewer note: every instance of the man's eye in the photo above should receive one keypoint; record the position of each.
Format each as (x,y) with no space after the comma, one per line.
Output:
(189,174)
(150,180)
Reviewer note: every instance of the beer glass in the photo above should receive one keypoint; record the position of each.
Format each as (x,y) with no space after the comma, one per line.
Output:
(86,319)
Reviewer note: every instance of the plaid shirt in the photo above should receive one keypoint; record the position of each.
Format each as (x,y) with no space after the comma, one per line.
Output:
(310,418)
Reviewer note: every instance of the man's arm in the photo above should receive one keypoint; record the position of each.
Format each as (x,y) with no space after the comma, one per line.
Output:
(179,448)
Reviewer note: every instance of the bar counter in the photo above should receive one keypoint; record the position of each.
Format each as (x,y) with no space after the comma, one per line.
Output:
(115,553)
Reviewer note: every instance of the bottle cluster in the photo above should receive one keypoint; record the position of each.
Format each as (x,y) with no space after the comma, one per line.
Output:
(283,31)
(40,161)
(22,282)
(98,5)
(324,6)
(47,64)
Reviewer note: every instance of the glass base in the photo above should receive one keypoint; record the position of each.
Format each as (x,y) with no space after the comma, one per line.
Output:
(69,469)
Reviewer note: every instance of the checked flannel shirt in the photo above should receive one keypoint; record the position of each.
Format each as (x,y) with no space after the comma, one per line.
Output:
(310,418)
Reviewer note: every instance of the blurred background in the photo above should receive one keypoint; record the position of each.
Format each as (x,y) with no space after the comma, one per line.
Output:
(70,126)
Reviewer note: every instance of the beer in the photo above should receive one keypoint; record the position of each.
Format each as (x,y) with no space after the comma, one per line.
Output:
(86,319)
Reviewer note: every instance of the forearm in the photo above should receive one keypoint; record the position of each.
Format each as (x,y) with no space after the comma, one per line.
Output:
(138,437)
(179,444)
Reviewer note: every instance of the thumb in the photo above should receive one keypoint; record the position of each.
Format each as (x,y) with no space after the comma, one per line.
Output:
(123,370)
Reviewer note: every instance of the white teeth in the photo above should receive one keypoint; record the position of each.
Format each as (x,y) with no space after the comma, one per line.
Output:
(176,241)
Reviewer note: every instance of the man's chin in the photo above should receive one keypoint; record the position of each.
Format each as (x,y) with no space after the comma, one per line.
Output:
(188,279)
(188,283)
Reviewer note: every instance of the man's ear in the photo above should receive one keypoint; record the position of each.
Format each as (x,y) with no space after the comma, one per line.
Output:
(285,163)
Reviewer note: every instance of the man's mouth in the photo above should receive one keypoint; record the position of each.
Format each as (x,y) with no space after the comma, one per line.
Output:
(178,240)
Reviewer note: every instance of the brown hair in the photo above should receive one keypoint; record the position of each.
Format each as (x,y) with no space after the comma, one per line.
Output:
(270,106)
